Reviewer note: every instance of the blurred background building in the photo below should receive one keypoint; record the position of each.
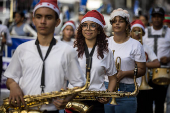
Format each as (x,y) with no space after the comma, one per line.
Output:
(71,8)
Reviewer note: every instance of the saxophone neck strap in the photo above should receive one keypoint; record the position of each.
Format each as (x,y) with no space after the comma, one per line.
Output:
(53,42)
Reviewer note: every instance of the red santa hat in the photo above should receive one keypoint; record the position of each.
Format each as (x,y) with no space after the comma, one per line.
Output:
(138,23)
(52,4)
(94,16)
(71,23)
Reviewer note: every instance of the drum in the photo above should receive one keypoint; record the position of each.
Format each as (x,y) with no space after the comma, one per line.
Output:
(161,76)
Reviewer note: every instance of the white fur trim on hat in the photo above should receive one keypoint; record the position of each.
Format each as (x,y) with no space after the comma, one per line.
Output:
(46,4)
(92,19)
(138,25)
(69,23)
(119,12)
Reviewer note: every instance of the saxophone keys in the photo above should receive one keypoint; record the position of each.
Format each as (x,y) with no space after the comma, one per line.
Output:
(62,89)
(54,92)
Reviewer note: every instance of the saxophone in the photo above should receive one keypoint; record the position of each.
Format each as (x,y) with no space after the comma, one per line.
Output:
(39,100)
(80,107)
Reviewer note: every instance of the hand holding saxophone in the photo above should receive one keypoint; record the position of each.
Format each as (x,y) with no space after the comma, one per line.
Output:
(61,103)
(103,100)
(16,95)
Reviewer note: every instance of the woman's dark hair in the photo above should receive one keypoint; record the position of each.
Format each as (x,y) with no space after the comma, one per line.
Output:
(102,43)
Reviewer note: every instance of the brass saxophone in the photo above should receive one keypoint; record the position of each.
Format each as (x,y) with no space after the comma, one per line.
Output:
(39,100)
(78,106)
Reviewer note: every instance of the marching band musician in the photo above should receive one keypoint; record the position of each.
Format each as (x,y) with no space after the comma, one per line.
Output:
(158,38)
(137,31)
(68,32)
(43,65)
(131,53)
(91,42)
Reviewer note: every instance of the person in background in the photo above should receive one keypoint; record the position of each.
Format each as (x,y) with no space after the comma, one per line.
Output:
(20,28)
(132,55)
(143,103)
(158,38)
(144,19)
(68,31)
(45,64)
(5,39)
(167,20)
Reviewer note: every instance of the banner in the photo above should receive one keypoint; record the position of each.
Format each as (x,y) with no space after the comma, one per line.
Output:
(9,50)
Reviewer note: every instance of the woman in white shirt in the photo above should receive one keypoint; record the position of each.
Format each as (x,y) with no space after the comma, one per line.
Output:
(91,38)
(131,53)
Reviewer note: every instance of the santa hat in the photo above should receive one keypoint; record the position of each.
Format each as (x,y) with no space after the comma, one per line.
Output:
(138,23)
(120,12)
(167,18)
(71,23)
(52,4)
(94,16)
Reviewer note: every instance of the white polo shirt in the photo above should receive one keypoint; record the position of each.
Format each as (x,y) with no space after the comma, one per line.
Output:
(129,52)
(163,45)
(61,65)
(151,57)
(98,69)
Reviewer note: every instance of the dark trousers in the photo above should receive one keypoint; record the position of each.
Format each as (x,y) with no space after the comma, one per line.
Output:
(145,99)
(97,107)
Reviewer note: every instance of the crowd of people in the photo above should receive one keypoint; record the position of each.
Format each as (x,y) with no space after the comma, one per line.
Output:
(51,63)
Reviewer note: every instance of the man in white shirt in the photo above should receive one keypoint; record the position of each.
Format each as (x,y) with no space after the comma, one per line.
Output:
(43,65)
(158,38)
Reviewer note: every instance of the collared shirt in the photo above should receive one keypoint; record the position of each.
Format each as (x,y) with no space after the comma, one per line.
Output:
(163,45)
(61,65)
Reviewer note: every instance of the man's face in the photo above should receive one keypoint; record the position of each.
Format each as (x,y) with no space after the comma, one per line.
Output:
(45,21)
(157,20)
(18,18)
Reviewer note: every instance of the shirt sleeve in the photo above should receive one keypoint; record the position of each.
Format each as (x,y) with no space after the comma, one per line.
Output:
(14,69)
(151,55)
(110,66)
(74,73)
(139,53)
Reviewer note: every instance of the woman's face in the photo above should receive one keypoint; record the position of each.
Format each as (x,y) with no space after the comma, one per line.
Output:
(68,32)
(118,24)
(89,30)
